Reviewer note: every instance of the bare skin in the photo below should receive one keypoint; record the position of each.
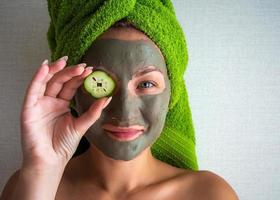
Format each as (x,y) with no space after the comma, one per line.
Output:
(163,182)
(93,175)
(141,178)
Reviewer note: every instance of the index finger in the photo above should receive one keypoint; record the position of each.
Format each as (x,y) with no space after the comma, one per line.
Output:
(37,82)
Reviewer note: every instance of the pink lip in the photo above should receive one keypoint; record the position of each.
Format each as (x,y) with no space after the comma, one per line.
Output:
(113,128)
(124,136)
(123,133)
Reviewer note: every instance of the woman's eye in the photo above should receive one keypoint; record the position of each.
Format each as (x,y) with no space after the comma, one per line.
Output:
(146,84)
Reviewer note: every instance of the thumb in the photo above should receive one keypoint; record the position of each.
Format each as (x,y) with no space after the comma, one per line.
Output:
(88,118)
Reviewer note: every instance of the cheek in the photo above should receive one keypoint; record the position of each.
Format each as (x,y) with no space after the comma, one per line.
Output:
(155,107)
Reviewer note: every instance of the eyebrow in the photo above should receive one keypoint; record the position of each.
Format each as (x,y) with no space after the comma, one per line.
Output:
(145,71)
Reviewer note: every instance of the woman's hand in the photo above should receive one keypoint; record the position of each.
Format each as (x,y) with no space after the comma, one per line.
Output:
(49,133)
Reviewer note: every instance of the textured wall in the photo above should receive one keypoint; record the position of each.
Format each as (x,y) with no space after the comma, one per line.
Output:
(232,79)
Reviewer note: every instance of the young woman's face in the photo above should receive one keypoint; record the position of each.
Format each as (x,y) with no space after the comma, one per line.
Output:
(141,96)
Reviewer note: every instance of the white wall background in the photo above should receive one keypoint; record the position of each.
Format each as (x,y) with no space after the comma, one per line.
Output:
(233,80)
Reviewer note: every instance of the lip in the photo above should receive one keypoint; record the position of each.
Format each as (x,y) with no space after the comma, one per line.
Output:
(123,133)
(113,128)
(124,136)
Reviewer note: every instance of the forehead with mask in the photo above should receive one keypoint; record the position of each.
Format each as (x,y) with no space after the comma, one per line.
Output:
(142,92)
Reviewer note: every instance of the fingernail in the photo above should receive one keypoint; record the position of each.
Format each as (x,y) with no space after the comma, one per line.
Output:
(82,65)
(45,62)
(63,58)
(89,68)
(107,102)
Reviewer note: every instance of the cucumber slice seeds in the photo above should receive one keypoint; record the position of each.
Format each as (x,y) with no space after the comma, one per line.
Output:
(99,84)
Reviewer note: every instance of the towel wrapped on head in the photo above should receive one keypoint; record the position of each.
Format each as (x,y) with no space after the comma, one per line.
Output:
(74,26)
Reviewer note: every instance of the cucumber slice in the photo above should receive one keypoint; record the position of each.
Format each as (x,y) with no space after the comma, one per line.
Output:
(99,84)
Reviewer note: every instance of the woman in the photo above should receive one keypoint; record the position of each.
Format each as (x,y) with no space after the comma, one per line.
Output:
(113,167)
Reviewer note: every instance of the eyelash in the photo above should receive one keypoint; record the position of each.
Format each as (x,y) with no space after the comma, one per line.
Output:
(153,84)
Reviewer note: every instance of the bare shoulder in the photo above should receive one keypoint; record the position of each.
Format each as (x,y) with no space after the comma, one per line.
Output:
(10,186)
(208,185)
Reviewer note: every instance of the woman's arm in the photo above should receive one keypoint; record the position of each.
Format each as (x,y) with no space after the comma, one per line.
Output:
(214,187)
(31,183)
(38,183)
(49,133)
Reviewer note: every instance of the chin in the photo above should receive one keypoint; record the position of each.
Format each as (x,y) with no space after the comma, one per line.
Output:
(121,151)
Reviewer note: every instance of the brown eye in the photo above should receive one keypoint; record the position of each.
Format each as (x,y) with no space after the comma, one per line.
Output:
(146,84)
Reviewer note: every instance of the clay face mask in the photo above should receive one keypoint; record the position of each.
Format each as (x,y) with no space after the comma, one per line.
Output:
(139,99)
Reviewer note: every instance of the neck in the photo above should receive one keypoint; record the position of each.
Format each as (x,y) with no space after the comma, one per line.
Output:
(115,176)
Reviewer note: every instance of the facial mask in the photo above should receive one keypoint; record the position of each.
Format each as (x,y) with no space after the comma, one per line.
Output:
(136,101)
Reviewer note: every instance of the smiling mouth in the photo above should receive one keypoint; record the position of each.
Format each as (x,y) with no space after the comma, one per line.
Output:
(124,136)
(123,133)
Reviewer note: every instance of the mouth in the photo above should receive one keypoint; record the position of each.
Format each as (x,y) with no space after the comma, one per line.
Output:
(123,133)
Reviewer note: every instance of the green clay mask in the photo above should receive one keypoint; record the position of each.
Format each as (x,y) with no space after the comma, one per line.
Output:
(138,99)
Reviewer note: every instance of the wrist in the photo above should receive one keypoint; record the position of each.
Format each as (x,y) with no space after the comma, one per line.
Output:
(47,170)
(38,166)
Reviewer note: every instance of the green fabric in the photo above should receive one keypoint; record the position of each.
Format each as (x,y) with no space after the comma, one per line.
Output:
(75,24)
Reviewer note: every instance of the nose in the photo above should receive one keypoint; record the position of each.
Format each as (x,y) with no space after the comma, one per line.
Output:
(125,107)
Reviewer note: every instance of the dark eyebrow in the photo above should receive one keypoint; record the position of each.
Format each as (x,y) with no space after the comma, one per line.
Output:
(145,71)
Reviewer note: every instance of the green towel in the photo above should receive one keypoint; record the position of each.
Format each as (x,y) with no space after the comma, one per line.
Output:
(75,24)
